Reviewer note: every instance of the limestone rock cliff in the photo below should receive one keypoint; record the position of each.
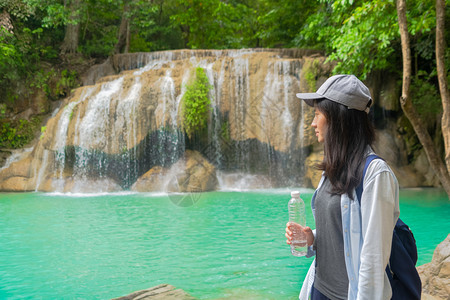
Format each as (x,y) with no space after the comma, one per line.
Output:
(127,120)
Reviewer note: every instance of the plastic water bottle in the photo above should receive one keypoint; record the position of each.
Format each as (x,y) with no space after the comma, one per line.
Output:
(296,208)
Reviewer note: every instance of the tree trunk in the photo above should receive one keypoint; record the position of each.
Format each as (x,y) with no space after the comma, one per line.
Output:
(70,43)
(408,108)
(123,41)
(442,77)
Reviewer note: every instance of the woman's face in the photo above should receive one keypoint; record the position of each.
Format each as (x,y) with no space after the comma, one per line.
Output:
(320,125)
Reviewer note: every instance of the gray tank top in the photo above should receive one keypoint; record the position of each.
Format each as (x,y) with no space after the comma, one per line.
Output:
(331,274)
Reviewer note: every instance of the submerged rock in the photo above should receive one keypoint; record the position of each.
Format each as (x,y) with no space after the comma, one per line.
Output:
(192,173)
(435,275)
(162,291)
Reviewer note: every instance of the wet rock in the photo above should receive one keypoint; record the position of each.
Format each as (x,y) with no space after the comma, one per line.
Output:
(14,184)
(151,181)
(16,178)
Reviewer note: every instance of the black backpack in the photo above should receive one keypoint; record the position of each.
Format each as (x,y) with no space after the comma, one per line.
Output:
(401,270)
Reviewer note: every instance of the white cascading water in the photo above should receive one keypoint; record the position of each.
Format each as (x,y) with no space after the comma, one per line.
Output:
(126,117)
(167,109)
(277,82)
(286,90)
(213,149)
(92,128)
(125,130)
(91,132)
(63,127)
(166,115)
(60,141)
(40,174)
(241,96)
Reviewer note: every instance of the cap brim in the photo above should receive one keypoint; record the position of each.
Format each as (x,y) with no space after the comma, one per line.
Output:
(309,97)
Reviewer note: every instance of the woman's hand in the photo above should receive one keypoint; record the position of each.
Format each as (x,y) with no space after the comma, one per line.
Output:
(295,231)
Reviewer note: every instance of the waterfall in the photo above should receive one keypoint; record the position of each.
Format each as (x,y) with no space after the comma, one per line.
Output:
(215,129)
(168,109)
(241,97)
(126,117)
(61,138)
(122,126)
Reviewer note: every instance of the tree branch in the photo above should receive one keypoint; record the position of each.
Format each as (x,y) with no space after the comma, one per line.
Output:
(442,77)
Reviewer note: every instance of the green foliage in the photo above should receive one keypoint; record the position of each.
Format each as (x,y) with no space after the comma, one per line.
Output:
(2,110)
(43,130)
(40,80)
(216,24)
(16,134)
(100,45)
(99,27)
(66,82)
(11,58)
(196,104)
(151,26)
(19,9)
(278,22)
(54,13)
(356,34)
(208,24)
(363,36)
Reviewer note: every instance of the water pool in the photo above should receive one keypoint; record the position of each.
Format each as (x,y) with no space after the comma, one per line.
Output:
(219,245)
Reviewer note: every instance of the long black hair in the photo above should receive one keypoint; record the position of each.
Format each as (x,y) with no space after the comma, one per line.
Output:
(349,132)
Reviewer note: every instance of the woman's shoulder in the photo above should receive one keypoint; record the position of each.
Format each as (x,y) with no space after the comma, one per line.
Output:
(379,166)
(378,162)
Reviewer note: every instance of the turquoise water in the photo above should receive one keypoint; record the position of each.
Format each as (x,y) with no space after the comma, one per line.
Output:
(215,245)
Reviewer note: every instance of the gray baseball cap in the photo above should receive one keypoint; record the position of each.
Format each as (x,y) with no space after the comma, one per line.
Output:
(344,89)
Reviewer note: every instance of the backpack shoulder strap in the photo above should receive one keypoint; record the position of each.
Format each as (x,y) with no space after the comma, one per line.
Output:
(359,188)
(401,271)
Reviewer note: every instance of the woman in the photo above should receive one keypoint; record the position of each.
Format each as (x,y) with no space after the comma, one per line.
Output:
(351,242)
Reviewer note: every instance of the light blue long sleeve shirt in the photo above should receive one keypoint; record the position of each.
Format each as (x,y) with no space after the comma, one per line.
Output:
(367,232)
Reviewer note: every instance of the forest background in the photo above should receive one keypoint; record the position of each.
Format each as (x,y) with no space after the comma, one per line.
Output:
(46,45)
